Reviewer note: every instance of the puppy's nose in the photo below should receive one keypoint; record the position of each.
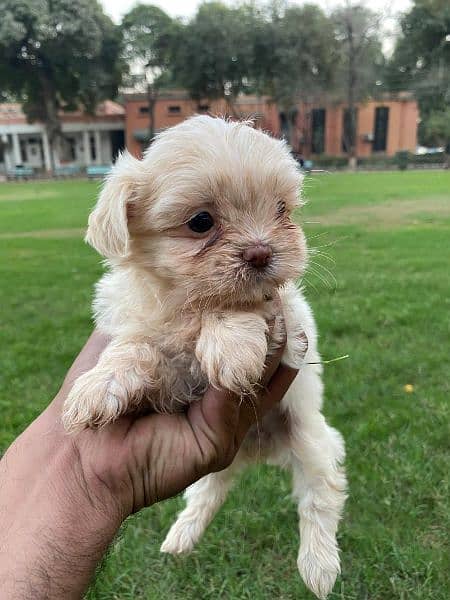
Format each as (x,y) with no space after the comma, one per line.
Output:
(258,256)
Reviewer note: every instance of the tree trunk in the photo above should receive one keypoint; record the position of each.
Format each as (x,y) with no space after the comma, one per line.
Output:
(231,107)
(52,122)
(51,144)
(352,80)
(152,96)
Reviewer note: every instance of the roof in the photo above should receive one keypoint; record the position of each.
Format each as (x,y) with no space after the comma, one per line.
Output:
(166,94)
(11,113)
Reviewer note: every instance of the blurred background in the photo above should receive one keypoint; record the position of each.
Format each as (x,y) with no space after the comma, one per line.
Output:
(345,83)
(361,92)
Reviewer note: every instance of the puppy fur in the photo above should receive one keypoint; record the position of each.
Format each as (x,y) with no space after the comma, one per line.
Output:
(185,310)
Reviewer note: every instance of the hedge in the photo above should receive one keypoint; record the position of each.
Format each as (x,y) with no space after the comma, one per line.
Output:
(402,159)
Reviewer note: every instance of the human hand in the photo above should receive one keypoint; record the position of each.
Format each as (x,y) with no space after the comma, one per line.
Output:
(62,498)
(143,460)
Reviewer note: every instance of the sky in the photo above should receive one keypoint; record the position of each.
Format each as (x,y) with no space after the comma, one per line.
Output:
(185,8)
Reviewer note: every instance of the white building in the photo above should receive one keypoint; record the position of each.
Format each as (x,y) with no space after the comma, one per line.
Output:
(88,139)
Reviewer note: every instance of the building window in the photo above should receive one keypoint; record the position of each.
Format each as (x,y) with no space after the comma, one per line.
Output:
(93,148)
(143,110)
(203,108)
(381,129)
(318,131)
(174,110)
(117,140)
(349,132)
(67,149)
(72,148)
(23,151)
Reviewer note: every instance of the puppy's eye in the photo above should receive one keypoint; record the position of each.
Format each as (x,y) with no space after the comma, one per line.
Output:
(201,223)
(281,207)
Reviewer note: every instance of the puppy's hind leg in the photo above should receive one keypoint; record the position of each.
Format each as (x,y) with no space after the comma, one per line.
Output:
(317,452)
(203,499)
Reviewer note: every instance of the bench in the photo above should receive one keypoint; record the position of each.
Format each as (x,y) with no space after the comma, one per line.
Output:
(67,171)
(20,173)
(98,171)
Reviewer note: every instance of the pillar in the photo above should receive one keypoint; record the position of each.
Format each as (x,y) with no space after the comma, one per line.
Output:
(16,149)
(87,148)
(8,158)
(98,147)
(56,152)
(46,149)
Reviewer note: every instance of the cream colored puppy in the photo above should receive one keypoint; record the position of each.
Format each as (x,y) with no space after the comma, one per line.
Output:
(198,236)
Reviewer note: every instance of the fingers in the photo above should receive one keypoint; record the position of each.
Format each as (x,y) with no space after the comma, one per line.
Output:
(277,387)
(217,413)
(253,409)
(273,359)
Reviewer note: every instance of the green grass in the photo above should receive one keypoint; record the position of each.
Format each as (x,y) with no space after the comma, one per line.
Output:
(388,235)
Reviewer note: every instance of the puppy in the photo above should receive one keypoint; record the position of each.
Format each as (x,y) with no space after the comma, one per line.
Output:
(198,236)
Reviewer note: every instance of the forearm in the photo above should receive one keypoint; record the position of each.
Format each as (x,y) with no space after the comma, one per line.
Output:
(53,561)
(53,536)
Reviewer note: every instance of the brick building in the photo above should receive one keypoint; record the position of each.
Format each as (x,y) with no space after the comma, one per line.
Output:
(383,126)
(174,106)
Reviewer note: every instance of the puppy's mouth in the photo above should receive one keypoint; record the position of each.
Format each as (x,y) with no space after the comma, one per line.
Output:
(265,275)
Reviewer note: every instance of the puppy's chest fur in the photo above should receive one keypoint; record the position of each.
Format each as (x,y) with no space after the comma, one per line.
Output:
(182,381)
(126,311)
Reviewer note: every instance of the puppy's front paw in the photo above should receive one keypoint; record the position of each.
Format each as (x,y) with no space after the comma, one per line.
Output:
(319,566)
(239,372)
(94,401)
(296,349)
(232,351)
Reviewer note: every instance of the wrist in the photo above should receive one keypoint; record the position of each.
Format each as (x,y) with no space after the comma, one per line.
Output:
(56,522)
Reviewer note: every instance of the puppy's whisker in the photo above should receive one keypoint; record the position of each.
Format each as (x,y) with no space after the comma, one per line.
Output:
(316,251)
(327,272)
(249,398)
(317,235)
(319,276)
(309,283)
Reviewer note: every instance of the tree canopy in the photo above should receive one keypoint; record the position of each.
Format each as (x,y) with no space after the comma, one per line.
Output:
(149,37)
(58,54)
(421,61)
(214,53)
(360,62)
(295,53)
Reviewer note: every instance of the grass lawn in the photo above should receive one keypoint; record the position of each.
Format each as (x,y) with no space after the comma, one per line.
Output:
(380,287)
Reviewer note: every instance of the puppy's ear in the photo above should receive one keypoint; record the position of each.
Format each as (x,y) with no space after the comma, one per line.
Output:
(108,223)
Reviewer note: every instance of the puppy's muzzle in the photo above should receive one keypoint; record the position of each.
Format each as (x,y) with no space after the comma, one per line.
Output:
(258,256)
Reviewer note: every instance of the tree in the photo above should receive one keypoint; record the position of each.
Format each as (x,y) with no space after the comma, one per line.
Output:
(360,64)
(436,131)
(149,39)
(421,61)
(59,54)
(215,53)
(294,57)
